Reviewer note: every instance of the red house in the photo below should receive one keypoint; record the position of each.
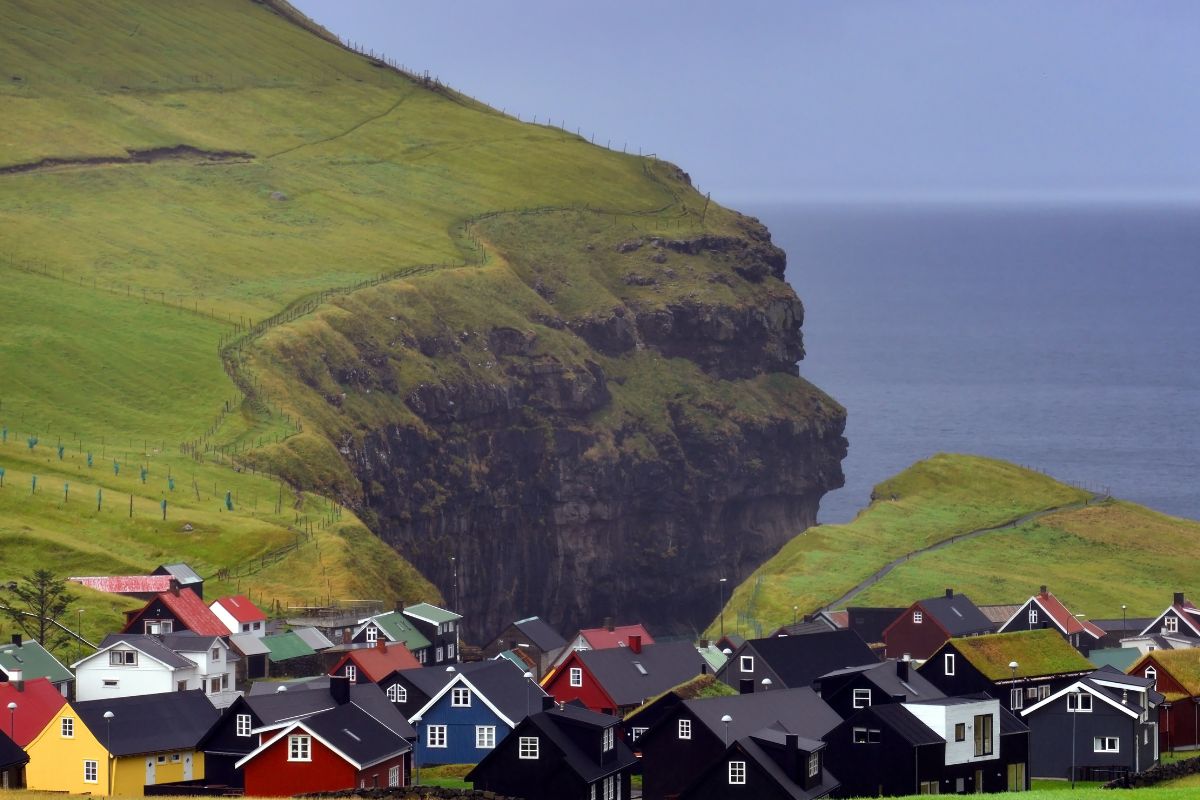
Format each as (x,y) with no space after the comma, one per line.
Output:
(375,663)
(174,611)
(925,626)
(603,638)
(342,748)
(35,703)
(1176,674)
(620,679)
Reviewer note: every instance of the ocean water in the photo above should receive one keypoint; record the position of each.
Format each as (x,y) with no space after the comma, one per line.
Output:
(1063,338)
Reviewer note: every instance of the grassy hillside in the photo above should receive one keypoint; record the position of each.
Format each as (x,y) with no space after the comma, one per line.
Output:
(181,186)
(1094,557)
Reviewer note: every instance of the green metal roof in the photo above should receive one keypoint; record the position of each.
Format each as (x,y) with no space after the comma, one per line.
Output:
(432,613)
(34,661)
(1120,657)
(401,630)
(715,658)
(286,645)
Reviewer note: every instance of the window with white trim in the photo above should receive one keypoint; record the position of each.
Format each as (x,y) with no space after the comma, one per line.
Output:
(242,722)
(685,729)
(397,693)
(862,698)
(485,737)
(948,663)
(122,658)
(111,683)
(1016,699)
(1170,625)
(91,771)
(372,634)
(299,747)
(460,697)
(449,651)
(1106,744)
(352,673)
(746,663)
(216,654)
(527,747)
(737,773)
(439,657)
(637,734)
(609,794)
(1033,616)
(814,764)
(1152,674)
(918,617)
(1079,701)
(66,727)
(1043,691)
(865,735)
(435,736)
(394,776)
(607,740)
(577,676)
(592,792)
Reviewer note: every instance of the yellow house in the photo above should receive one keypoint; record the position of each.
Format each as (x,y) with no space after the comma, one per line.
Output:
(148,740)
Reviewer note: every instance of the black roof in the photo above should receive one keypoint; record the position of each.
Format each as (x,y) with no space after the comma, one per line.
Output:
(149,723)
(957,614)
(151,646)
(798,711)
(630,678)
(506,687)
(1010,723)
(1134,625)
(357,734)
(869,622)
(899,719)
(885,675)
(540,634)
(313,697)
(11,753)
(188,641)
(430,680)
(759,749)
(818,625)
(799,660)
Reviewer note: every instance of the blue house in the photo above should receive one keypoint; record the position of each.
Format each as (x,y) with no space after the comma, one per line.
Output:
(478,705)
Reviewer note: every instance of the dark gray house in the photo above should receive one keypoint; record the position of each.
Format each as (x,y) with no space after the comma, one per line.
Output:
(768,765)
(534,638)
(12,763)
(791,662)
(848,690)
(1099,727)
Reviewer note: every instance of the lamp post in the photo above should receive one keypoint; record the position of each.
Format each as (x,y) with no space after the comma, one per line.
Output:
(795,612)
(721,608)
(528,680)
(1074,716)
(1012,706)
(727,719)
(766,684)
(1124,627)
(12,720)
(416,721)
(108,718)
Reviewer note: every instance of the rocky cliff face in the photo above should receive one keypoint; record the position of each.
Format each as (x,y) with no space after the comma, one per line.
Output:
(612,460)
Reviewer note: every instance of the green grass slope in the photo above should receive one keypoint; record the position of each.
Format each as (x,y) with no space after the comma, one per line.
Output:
(1094,557)
(181,186)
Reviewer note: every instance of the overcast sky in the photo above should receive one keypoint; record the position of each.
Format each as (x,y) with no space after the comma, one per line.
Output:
(834,99)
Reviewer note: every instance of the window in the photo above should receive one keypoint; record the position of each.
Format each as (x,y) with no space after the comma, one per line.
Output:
(397,693)
(174,758)
(214,685)
(983,735)
(225,681)
(929,787)
(1043,691)
(372,634)
(746,663)
(609,793)
(865,736)
(1107,744)
(1152,674)
(67,727)
(918,617)
(1016,699)
(109,683)
(1033,616)
(90,771)
(299,747)
(394,776)
(592,793)
(577,676)
(1079,701)
(608,740)
(814,764)
(637,734)
(181,686)
(162,759)
(420,654)
(460,697)
(160,626)
(243,724)
(960,731)
(1171,624)
(352,673)
(439,657)
(449,651)
(122,658)
(485,737)
(862,698)
(737,772)
(216,654)
(1145,736)
(245,627)
(435,736)
(948,663)
(527,747)
(685,729)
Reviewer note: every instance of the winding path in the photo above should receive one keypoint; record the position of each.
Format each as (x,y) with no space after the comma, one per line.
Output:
(879,574)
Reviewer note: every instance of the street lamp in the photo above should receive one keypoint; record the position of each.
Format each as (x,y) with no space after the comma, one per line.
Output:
(766,683)
(1012,705)
(795,611)
(1124,628)
(416,721)
(12,720)
(721,594)
(108,718)
(727,719)
(528,680)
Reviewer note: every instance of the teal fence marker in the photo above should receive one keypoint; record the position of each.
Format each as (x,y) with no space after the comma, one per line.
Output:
(229,501)
(170,484)
(145,472)
(60,452)
(1,477)
(116,467)
(89,460)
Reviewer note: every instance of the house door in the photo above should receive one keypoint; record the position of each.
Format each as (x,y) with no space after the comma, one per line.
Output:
(978,781)
(150,771)
(1016,777)
(187,766)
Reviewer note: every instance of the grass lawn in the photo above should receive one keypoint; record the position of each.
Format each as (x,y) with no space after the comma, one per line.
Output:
(449,776)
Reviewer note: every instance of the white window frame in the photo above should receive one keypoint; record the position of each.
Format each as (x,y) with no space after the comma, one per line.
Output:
(1075,704)
(948,663)
(737,773)
(439,655)
(372,634)
(684,729)
(394,776)
(485,737)
(607,740)
(814,764)
(1100,744)
(122,658)
(1171,624)
(637,734)
(861,698)
(1151,674)
(216,654)
(242,724)
(351,673)
(460,697)
(1016,699)
(918,617)
(1033,616)
(397,693)
(299,747)
(528,748)
(746,663)
(609,793)
(576,677)
(435,736)
(93,768)
(66,728)
(449,651)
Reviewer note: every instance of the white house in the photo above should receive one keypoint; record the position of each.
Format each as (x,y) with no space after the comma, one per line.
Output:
(240,615)
(135,664)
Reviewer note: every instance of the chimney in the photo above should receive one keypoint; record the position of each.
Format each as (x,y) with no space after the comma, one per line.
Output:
(608,624)
(17,678)
(635,642)
(174,587)
(791,749)
(381,644)
(1179,599)
(949,593)
(346,635)
(16,639)
(1043,591)
(548,703)
(339,689)
(902,669)
(703,643)
(399,607)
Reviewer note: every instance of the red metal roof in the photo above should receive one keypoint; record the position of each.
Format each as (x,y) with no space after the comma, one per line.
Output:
(377,662)
(1065,619)
(36,706)
(187,608)
(127,584)
(240,608)
(603,638)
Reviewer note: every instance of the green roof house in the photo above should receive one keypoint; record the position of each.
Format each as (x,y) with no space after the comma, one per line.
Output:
(21,660)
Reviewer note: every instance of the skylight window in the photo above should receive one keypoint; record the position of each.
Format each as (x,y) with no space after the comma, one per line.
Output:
(638,666)
(351,734)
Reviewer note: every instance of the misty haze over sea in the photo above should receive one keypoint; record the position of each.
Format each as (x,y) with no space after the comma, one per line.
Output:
(1064,338)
